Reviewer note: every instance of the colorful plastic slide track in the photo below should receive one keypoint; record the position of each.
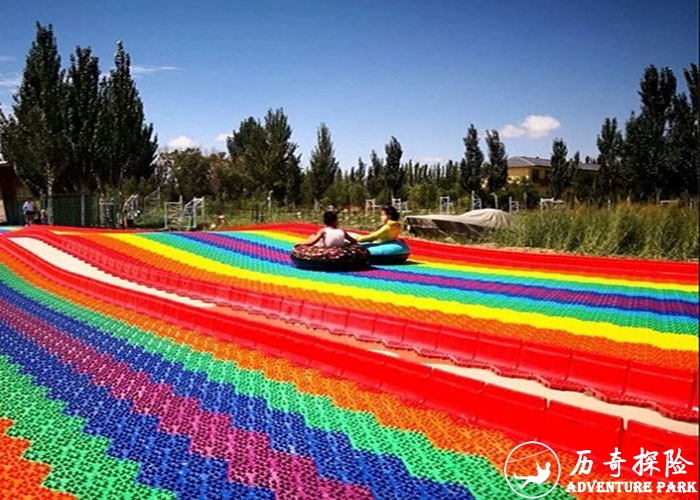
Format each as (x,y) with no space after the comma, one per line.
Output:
(117,394)
(624,331)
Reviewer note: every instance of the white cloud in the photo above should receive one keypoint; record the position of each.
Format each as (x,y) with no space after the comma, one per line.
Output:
(138,70)
(181,141)
(10,80)
(223,136)
(533,126)
(511,131)
(5,58)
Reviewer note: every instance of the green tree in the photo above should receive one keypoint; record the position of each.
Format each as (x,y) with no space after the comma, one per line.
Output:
(323,165)
(692,79)
(450,176)
(265,155)
(246,147)
(423,172)
(162,177)
(357,194)
(375,175)
(361,172)
(680,141)
(226,181)
(470,168)
(563,170)
(282,166)
(424,194)
(521,190)
(33,138)
(574,164)
(192,173)
(128,146)
(393,172)
(682,148)
(344,192)
(610,145)
(295,178)
(409,171)
(497,167)
(82,113)
(646,155)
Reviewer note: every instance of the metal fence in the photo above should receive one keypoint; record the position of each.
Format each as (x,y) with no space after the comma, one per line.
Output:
(83,211)
(96,211)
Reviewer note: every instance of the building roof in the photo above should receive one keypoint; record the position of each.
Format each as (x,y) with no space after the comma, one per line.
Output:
(530,161)
(590,167)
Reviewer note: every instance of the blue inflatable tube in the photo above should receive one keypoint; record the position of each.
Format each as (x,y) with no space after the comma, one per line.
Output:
(390,252)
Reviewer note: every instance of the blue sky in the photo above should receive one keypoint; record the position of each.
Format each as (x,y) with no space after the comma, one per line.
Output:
(418,70)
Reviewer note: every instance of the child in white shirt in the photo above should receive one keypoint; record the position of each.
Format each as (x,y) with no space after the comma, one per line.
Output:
(331,235)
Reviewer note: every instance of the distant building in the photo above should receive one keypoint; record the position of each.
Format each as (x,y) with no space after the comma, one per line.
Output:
(538,170)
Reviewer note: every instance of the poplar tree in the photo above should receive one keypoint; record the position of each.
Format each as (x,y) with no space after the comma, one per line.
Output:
(282,171)
(393,172)
(682,149)
(646,155)
(33,137)
(127,145)
(246,148)
(497,167)
(562,170)
(361,172)
(375,175)
(470,168)
(610,145)
(323,165)
(683,136)
(82,113)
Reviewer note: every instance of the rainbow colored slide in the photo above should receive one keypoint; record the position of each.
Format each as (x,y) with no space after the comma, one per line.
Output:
(107,392)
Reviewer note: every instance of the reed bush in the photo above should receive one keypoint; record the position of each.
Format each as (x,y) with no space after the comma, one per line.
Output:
(652,232)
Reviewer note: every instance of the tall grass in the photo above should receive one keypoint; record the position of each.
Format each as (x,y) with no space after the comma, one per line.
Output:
(645,231)
(651,232)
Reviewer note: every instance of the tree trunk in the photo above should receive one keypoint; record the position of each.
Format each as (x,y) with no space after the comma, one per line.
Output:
(49,195)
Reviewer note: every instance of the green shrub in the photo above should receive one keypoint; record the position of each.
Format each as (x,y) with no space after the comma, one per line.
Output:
(651,232)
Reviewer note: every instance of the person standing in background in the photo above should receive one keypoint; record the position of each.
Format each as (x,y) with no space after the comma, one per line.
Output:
(28,210)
